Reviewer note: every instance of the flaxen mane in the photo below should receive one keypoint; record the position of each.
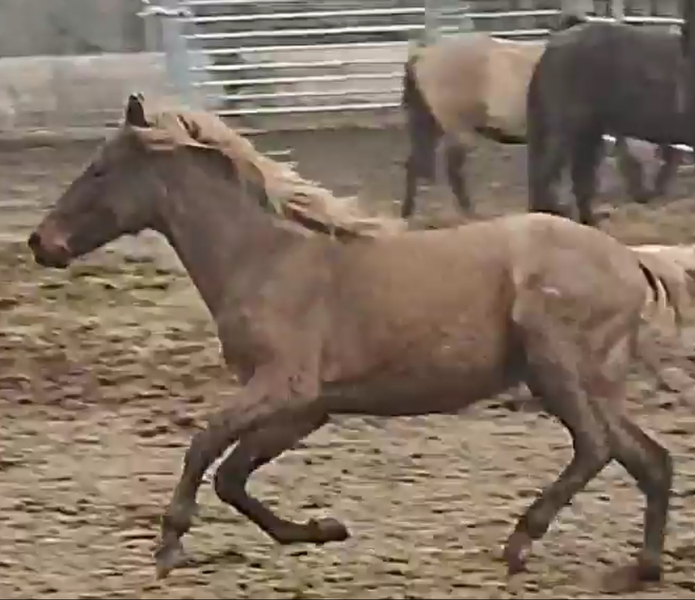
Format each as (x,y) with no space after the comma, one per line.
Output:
(289,195)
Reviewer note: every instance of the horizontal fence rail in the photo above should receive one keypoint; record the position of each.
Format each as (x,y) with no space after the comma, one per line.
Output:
(284,56)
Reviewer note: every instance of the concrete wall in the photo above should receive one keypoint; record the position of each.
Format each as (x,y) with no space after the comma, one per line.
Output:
(58,92)
(67,27)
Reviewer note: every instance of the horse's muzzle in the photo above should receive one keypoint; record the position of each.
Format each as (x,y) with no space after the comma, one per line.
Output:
(54,253)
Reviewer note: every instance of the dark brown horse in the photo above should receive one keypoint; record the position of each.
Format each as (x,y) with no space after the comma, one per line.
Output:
(602,78)
(461,89)
(321,312)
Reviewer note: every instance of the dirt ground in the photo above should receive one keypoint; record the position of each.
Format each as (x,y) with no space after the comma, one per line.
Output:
(108,368)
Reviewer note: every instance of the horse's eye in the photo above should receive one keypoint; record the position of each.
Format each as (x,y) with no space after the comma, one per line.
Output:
(98,171)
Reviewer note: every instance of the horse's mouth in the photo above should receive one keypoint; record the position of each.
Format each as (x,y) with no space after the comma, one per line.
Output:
(52,262)
(57,257)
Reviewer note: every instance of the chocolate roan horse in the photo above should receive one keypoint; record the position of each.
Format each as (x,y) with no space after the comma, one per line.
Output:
(599,78)
(321,311)
(461,89)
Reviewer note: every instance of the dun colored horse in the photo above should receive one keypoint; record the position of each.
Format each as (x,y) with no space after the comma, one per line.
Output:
(476,85)
(321,311)
(599,78)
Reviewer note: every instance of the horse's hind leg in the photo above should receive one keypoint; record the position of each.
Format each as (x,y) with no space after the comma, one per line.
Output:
(645,460)
(424,134)
(546,159)
(554,364)
(411,180)
(256,449)
(650,464)
(586,157)
(456,155)
(591,406)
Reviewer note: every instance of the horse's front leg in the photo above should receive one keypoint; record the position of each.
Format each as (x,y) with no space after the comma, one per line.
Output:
(631,170)
(257,448)
(586,157)
(411,184)
(264,397)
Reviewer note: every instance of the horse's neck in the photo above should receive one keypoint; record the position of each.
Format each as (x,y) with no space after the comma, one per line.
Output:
(223,242)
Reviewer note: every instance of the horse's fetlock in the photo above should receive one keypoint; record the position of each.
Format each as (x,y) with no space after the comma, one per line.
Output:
(535,523)
(649,566)
(179,517)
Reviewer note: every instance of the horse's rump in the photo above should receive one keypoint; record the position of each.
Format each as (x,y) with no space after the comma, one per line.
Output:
(508,73)
(668,272)
(477,82)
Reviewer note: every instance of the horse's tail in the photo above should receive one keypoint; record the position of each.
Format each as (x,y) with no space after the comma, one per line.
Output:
(412,97)
(667,296)
(668,293)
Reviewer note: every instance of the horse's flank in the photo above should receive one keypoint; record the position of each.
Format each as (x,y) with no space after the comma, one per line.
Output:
(289,195)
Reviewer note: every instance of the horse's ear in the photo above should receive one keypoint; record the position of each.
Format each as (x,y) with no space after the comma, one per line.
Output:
(135,111)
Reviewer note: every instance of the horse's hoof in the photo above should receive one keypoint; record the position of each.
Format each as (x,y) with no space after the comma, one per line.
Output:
(516,552)
(169,557)
(630,578)
(328,530)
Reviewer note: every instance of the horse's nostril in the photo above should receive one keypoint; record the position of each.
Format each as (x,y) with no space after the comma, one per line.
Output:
(34,240)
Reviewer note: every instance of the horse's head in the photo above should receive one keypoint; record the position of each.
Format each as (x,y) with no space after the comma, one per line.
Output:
(113,196)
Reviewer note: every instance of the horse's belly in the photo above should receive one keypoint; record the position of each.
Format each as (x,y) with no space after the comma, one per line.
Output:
(409,396)
(444,379)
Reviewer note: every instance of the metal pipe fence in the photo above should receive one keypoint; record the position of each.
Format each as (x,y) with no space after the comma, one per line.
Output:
(243,58)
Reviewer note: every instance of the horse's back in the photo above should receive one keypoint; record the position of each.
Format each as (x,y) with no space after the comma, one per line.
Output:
(442,304)
(605,68)
(452,262)
(614,44)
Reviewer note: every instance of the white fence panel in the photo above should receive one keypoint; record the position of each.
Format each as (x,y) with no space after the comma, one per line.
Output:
(270,57)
